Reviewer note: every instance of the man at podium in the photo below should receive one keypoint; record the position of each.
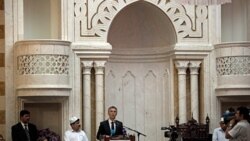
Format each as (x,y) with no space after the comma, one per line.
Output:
(110,127)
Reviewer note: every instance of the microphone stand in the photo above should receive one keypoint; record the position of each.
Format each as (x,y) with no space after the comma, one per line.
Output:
(138,133)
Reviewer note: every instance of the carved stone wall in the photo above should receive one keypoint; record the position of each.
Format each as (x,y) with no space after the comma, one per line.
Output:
(93,18)
(141,92)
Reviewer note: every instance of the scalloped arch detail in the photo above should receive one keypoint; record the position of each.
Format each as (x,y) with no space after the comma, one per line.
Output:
(97,24)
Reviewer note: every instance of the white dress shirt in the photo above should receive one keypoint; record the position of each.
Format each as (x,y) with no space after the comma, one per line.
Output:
(71,135)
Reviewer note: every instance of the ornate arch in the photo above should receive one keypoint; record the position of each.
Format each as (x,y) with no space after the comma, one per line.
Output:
(93,18)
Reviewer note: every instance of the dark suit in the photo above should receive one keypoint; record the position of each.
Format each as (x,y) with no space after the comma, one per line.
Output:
(104,129)
(18,132)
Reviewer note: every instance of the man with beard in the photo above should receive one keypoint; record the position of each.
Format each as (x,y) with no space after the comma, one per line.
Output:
(239,131)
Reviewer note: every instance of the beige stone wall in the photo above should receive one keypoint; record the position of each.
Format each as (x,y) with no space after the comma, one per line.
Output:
(2,74)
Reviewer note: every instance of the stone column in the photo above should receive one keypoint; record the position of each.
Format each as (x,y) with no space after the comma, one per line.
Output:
(182,67)
(87,65)
(99,88)
(194,67)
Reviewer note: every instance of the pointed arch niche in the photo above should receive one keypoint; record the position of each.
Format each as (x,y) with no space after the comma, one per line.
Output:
(142,37)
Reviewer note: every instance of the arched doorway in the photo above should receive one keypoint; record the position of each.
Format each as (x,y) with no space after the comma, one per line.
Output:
(137,77)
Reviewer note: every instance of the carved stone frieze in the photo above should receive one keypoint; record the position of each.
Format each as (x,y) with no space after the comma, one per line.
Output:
(93,18)
(233,65)
(43,64)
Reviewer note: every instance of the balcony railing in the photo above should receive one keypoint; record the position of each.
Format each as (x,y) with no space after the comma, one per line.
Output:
(233,68)
(41,64)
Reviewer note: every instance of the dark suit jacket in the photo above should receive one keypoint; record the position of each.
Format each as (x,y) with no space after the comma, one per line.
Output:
(18,133)
(104,129)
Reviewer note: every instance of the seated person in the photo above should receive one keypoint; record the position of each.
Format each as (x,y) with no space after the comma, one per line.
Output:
(110,127)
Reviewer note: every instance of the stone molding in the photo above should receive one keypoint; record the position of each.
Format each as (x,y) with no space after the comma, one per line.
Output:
(155,54)
(92,50)
(232,44)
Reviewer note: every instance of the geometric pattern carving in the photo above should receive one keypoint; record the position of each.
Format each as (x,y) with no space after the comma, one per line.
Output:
(43,64)
(93,18)
(233,65)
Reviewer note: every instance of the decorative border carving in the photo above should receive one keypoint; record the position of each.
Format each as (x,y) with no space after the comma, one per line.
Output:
(93,18)
(43,64)
(233,65)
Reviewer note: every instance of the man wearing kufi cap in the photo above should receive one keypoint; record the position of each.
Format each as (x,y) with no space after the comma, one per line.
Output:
(76,133)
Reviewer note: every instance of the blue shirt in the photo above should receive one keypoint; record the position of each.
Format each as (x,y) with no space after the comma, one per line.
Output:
(219,135)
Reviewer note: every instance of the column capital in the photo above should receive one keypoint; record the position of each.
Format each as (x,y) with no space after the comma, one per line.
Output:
(99,67)
(181,66)
(194,67)
(194,64)
(99,63)
(87,65)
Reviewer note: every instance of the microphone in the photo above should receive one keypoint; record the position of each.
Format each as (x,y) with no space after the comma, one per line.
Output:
(165,128)
(124,132)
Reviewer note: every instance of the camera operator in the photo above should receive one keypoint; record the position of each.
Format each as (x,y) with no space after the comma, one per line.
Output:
(239,127)
(228,115)
(172,133)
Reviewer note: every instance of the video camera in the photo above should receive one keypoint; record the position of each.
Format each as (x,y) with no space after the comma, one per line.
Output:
(172,133)
(228,115)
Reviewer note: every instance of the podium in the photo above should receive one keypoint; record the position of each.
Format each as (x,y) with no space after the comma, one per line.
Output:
(119,138)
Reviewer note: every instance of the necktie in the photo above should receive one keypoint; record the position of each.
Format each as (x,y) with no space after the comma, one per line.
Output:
(112,125)
(112,129)
(27,132)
